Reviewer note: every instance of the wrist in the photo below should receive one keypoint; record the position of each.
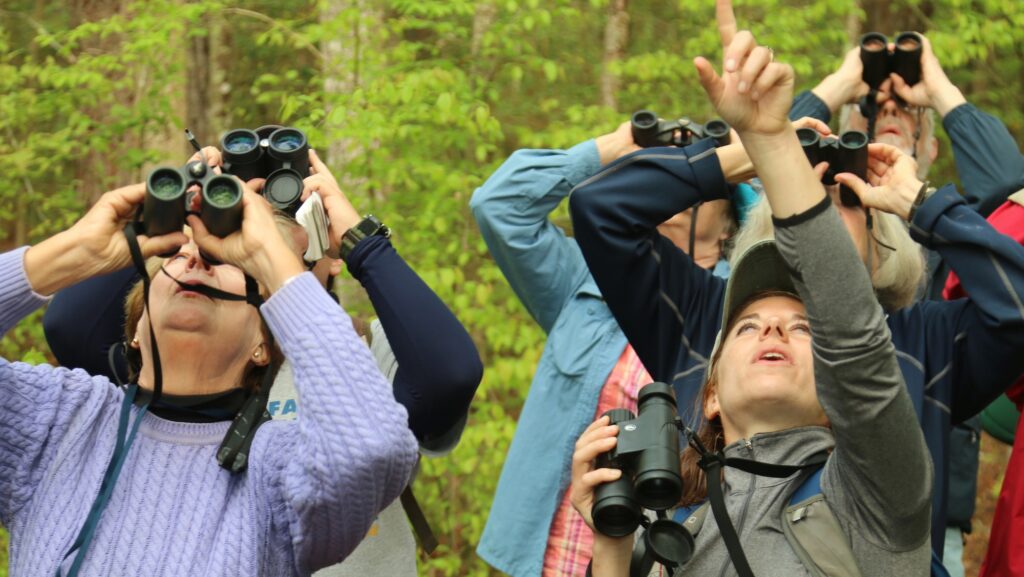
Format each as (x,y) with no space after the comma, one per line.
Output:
(832,90)
(608,148)
(56,263)
(908,193)
(946,98)
(272,265)
(735,163)
(611,555)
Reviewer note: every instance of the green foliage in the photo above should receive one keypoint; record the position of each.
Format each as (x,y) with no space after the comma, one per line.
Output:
(428,98)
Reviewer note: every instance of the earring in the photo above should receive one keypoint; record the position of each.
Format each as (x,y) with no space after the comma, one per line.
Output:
(257,354)
(135,341)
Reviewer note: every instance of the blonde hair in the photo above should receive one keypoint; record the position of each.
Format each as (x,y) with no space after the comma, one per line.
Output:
(897,274)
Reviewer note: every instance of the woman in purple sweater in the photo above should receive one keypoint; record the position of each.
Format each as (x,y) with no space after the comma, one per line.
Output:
(313,486)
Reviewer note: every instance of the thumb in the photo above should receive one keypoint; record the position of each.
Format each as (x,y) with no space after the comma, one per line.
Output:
(899,86)
(163,244)
(857,185)
(709,79)
(210,244)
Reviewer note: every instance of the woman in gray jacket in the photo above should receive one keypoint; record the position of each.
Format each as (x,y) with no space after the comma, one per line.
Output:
(805,369)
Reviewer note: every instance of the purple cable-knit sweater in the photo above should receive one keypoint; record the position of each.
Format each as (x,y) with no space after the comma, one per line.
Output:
(312,489)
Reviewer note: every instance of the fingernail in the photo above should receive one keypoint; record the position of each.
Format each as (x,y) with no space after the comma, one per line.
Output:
(742,87)
(730,65)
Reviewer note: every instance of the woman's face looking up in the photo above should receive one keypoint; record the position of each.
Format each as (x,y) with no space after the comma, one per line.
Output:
(765,374)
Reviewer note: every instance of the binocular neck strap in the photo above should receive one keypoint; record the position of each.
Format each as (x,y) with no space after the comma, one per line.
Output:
(130,234)
(234,450)
(869,110)
(712,464)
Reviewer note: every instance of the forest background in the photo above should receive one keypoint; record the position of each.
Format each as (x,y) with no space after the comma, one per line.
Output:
(413,103)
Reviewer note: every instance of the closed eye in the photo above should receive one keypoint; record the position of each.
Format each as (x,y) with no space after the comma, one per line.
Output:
(746,327)
(801,327)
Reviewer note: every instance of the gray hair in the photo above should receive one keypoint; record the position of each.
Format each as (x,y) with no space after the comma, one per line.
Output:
(897,274)
(927,126)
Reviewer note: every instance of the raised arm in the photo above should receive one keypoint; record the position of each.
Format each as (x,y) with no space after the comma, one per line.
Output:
(41,402)
(349,453)
(666,304)
(859,382)
(543,266)
(439,367)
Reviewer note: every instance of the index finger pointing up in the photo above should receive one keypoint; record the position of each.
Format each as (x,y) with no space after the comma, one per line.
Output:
(726,21)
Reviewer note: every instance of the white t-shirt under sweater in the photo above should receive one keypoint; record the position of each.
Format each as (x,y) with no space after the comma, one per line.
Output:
(390,547)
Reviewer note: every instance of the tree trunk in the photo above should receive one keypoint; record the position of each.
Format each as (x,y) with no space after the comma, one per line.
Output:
(616,38)
(340,72)
(199,88)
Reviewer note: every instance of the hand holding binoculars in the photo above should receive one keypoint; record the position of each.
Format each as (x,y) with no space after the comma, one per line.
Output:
(847,153)
(649,131)
(278,154)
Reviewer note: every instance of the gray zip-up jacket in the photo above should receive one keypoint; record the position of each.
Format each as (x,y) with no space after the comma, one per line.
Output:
(878,477)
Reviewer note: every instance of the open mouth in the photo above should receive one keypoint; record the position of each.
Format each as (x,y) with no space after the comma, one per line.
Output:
(772,357)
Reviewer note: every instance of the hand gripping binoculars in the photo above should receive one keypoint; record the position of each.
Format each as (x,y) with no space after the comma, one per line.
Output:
(165,206)
(278,154)
(649,131)
(647,453)
(847,153)
(878,62)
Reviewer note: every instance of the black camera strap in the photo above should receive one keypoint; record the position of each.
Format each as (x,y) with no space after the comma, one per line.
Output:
(712,464)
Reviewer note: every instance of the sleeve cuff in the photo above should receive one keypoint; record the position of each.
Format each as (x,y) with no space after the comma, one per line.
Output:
(957,116)
(584,162)
(17,299)
(807,103)
(928,214)
(707,170)
(362,252)
(804,216)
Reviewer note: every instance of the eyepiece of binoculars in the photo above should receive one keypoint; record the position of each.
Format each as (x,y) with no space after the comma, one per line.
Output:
(222,205)
(163,210)
(878,62)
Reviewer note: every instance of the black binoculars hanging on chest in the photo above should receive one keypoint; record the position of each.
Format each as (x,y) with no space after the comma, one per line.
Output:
(649,131)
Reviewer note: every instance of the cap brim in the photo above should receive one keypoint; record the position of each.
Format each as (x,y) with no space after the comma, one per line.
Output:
(758,270)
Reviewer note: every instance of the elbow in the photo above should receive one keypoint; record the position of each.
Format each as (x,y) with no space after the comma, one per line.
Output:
(440,402)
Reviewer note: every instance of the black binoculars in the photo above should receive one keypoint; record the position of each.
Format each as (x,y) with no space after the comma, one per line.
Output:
(647,453)
(879,62)
(278,154)
(649,131)
(165,206)
(848,153)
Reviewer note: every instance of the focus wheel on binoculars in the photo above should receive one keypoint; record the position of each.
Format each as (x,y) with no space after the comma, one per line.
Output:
(369,226)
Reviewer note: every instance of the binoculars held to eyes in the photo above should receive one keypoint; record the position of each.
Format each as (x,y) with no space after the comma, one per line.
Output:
(165,206)
(847,153)
(649,130)
(647,453)
(278,154)
(878,62)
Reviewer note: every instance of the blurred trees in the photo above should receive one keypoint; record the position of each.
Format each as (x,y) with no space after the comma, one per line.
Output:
(413,103)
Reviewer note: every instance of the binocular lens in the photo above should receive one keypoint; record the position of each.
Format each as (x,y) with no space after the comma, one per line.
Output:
(240,141)
(222,205)
(807,136)
(222,195)
(287,140)
(908,41)
(853,139)
(645,119)
(873,42)
(618,515)
(166,184)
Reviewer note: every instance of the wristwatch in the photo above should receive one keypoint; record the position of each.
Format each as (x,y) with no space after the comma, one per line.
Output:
(922,195)
(369,226)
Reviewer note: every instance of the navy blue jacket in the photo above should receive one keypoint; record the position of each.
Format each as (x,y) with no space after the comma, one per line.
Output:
(956,356)
(439,367)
